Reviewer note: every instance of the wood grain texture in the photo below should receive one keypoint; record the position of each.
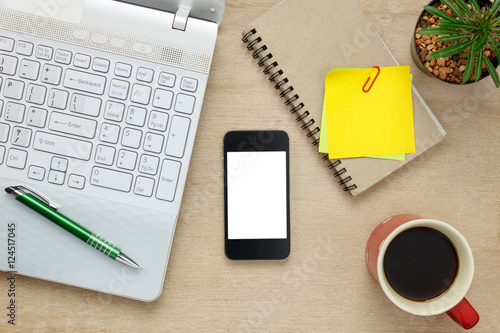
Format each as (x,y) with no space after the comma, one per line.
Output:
(324,285)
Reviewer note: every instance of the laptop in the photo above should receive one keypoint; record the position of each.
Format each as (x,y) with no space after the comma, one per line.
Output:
(99,105)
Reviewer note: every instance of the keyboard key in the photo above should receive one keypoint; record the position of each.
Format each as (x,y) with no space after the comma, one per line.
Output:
(136,116)
(123,70)
(24,48)
(140,94)
(6,44)
(118,89)
(14,112)
(61,145)
(56,177)
(144,186)
(189,84)
(76,181)
(153,143)
(36,94)
(58,99)
(2,153)
(167,183)
(131,138)
(13,89)
(51,74)
(21,137)
(63,57)
(17,158)
(105,155)
(166,79)
(44,52)
(36,172)
(36,117)
(177,136)
(82,61)
(4,132)
(86,105)
(163,99)
(158,121)
(126,159)
(86,82)
(8,64)
(59,164)
(29,69)
(115,180)
(101,65)
(145,74)
(109,133)
(149,164)
(185,103)
(114,111)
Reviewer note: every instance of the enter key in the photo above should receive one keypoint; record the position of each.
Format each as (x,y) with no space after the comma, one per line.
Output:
(67,124)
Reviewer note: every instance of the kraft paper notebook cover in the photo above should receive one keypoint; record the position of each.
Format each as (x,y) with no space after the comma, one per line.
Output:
(298,42)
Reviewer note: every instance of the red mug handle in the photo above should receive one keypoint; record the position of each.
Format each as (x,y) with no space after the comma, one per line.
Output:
(464,314)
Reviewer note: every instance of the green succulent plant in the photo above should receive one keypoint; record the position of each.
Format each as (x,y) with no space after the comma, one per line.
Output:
(474,30)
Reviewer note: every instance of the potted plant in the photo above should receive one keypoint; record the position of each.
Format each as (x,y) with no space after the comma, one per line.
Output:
(459,42)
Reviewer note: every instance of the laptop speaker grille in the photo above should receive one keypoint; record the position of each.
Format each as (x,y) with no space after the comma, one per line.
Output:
(183,56)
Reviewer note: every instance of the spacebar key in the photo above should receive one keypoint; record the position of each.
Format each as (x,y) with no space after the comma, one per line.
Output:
(115,180)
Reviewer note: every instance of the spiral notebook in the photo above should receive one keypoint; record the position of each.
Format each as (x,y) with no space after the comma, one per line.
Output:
(298,42)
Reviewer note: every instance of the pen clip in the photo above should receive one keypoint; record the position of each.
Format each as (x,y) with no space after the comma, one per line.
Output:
(25,189)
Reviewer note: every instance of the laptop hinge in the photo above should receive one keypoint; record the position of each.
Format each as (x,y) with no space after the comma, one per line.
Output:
(180,19)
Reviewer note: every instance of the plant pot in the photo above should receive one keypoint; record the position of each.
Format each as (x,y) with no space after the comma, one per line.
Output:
(414,48)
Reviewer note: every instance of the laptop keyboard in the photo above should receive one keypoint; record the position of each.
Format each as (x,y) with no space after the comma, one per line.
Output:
(92,122)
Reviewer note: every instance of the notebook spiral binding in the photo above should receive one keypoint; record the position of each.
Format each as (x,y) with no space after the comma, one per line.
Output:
(260,51)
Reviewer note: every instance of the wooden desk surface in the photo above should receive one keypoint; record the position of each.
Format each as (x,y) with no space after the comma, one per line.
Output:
(324,284)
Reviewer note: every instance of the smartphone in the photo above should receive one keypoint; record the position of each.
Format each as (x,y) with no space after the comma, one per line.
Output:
(257,195)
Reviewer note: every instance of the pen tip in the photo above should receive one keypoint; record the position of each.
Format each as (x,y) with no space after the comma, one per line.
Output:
(124,259)
(9,190)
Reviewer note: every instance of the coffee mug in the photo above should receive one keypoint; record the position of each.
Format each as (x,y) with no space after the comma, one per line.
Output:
(424,267)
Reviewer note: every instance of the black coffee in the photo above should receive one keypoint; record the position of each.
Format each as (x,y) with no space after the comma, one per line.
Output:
(420,263)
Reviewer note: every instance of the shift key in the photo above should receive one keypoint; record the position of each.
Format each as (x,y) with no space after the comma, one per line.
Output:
(91,83)
(61,145)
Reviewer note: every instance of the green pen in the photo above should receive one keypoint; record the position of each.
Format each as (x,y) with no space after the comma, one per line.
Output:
(44,207)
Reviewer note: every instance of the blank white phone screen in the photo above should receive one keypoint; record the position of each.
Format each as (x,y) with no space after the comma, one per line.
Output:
(257,195)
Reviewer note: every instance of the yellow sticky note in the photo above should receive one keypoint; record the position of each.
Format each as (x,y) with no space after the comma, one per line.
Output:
(323,141)
(379,122)
(323,135)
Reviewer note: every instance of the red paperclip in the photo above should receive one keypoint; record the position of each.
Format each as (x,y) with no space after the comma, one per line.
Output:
(371,85)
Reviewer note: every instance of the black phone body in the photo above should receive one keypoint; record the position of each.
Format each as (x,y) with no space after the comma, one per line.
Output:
(257,195)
